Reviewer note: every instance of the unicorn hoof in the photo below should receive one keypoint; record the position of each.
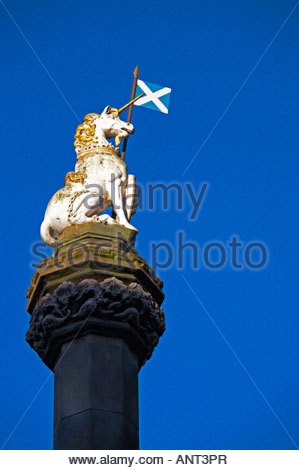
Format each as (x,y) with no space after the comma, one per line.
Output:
(130,227)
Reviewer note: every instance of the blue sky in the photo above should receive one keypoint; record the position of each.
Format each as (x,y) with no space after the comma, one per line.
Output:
(225,374)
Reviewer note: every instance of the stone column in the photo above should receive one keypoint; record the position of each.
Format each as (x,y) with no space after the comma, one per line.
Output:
(95,319)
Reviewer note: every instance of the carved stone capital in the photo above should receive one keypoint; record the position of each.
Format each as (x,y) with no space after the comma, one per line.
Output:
(109,308)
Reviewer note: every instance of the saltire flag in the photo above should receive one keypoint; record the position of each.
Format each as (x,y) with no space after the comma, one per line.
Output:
(156,97)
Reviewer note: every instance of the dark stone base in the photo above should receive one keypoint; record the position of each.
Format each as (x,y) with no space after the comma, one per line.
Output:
(96,395)
(95,430)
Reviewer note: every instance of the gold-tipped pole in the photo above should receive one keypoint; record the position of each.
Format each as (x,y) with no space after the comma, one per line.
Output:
(135,73)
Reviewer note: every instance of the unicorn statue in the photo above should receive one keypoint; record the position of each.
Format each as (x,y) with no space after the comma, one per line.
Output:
(100,179)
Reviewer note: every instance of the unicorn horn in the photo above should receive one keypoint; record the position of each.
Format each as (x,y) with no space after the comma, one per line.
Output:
(129,104)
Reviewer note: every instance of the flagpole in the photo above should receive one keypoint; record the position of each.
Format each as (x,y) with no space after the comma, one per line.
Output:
(135,73)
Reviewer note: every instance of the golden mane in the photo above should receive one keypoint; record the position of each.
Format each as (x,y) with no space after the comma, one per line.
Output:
(85,133)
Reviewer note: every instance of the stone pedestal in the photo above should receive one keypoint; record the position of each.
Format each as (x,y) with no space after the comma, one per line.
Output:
(95,319)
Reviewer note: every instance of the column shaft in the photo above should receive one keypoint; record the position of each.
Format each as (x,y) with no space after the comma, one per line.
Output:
(96,395)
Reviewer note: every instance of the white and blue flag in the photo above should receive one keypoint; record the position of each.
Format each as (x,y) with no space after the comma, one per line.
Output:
(155,96)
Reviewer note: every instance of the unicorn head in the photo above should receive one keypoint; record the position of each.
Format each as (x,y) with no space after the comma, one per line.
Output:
(109,124)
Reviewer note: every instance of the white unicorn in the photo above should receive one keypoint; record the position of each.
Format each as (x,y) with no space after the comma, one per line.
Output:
(100,179)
